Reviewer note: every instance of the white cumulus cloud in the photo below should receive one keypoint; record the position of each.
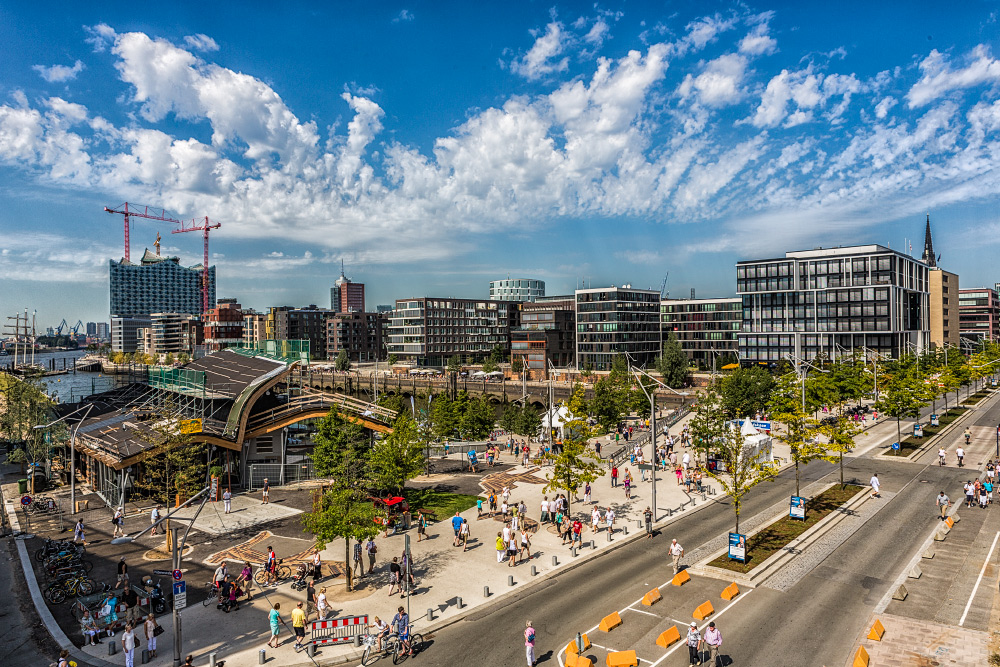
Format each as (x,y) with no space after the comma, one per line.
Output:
(543,56)
(939,77)
(59,73)
(201,42)
(719,83)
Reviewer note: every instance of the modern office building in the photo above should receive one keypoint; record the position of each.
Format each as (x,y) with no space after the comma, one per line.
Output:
(705,328)
(546,335)
(979,314)
(309,323)
(944,315)
(171,333)
(611,321)
(428,331)
(830,301)
(361,335)
(157,285)
(99,330)
(126,333)
(254,327)
(516,289)
(224,326)
(347,296)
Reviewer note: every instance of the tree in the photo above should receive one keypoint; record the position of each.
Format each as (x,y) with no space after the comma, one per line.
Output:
(607,405)
(709,424)
(509,417)
(398,456)
(342,449)
(575,464)
(746,391)
(489,365)
(343,361)
(183,358)
(528,421)
(25,405)
(902,398)
(393,359)
(477,419)
(455,364)
(840,434)
(794,426)
(342,512)
(672,364)
(741,471)
(497,354)
(517,364)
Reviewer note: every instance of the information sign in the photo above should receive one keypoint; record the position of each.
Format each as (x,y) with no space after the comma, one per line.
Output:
(164,573)
(738,547)
(797,508)
(180,595)
(895,446)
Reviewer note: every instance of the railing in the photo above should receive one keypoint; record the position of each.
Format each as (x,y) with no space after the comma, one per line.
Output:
(294,472)
(323,401)
(626,450)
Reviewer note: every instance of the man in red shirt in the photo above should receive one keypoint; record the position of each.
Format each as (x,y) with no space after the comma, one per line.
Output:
(577,532)
(614,476)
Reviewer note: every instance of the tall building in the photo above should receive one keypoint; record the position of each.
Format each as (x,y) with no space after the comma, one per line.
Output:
(614,320)
(309,323)
(361,335)
(825,301)
(705,328)
(157,285)
(428,331)
(126,333)
(944,315)
(979,314)
(171,333)
(254,327)
(347,296)
(224,325)
(99,330)
(546,335)
(516,289)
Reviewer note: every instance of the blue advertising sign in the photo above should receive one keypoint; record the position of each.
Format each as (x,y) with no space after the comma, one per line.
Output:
(797,508)
(759,425)
(738,547)
(918,431)
(934,420)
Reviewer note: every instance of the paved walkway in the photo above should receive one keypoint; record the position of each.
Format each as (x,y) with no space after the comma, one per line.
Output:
(911,643)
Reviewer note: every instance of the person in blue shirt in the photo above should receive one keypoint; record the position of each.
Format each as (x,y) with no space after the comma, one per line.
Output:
(401,624)
(473,460)
(456,524)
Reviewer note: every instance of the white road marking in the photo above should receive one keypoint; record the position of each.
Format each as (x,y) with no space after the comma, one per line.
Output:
(975,588)
(643,611)
(714,616)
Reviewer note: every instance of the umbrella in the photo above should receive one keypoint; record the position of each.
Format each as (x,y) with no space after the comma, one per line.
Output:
(729,367)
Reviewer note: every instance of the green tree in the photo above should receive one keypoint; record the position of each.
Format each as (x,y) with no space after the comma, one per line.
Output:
(342,449)
(393,359)
(746,391)
(516,364)
(455,364)
(398,456)
(529,422)
(739,472)
(608,403)
(709,423)
(795,427)
(497,354)
(902,398)
(672,364)
(509,417)
(489,365)
(445,417)
(343,361)
(477,419)
(840,434)
(575,464)
(342,513)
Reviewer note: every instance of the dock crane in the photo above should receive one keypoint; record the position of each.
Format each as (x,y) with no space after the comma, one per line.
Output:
(137,211)
(200,225)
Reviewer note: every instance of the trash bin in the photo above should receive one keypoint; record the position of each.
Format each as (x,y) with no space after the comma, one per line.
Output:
(22,486)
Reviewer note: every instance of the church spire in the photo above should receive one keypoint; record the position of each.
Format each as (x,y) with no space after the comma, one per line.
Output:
(928,257)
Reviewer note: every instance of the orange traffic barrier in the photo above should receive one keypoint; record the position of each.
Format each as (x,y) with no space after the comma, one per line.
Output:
(571,659)
(730,591)
(860,658)
(652,597)
(704,610)
(680,578)
(571,647)
(950,522)
(580,661)
(623,659)
(609,622)
(877,631)
(669,637)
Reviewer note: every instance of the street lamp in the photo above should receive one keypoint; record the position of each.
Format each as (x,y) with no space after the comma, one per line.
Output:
(72,452)
(175,556)
(801,364)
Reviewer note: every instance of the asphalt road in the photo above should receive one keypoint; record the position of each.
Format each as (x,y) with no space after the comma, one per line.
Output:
(815,622)
(24,641)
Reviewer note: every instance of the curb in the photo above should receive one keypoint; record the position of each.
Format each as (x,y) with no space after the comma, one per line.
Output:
(925,447)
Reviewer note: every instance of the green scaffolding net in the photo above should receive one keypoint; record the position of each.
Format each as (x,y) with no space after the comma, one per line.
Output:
(279,350)
(178,380)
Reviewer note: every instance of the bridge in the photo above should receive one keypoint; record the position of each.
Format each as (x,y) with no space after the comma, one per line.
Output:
(312,404)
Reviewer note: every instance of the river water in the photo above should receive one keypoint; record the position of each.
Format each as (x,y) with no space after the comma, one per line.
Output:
(69,387)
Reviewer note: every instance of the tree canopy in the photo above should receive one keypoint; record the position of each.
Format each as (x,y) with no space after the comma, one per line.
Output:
(672,364)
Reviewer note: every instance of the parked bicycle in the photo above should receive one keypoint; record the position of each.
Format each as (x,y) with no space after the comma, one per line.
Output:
(370,641)
(42,504)
(72,587)
(55,547)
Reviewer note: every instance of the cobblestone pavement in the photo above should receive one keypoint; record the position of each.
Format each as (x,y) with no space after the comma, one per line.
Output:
(911,643)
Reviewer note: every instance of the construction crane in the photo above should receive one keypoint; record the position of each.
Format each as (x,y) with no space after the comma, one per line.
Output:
(61,327)
(200,225)
(664,292)
(136,211)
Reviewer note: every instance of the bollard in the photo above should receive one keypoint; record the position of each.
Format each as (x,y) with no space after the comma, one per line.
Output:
(261,657)
(572,550)
(593,543)
(626,529)
(609,534)
(534,570)
(704,496)
(211,659)
(458,603)
(579,643)
(693,501)
(144,656)
(555,561)
(486,591)
(357,641)
(311,650)
(112,648)
(430,614)
(670,512)
(510,580)
(638,523)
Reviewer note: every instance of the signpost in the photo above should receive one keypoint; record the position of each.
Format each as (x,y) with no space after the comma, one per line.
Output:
(25,500)
(895,446)
(180,595)
(738,547)
(797,508)
(164,573)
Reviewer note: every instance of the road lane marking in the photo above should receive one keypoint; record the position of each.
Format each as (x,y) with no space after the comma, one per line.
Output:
(979,580)
(684,643)
(642,611)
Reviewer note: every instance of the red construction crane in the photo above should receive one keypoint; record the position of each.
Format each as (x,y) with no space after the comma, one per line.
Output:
(136,211)
(200,225)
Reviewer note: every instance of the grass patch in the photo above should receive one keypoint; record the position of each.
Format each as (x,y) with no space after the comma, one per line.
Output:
(975,398)
(774,537)
(440,504)
(911,444)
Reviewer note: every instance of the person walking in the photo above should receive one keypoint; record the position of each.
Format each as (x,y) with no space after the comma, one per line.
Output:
(693,641)
(128,645)
(970,493)
(875,485)
(311,598)
(265,492)
(227,500)
(359,565)
(586,493)
(676,553)
(274,620)
(245,580)
(960,455)
(609,520)
(943,503)
(133,614)
(512,549)
(525,545)
(577,533)
(501,547)
(713,641)
(614,476)
(271,568)
(322,606)
(122,572)
(149,629)
(154,518)
(647,517)
(456,525)
(595,520)
(299,625)
(544,517)
(119,522)
(372,550)
(394,575)
(464,534)
(529,643)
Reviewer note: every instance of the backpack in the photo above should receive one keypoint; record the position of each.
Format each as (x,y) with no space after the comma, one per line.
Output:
(531,634)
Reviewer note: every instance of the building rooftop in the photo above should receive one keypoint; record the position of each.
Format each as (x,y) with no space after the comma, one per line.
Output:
(228,373)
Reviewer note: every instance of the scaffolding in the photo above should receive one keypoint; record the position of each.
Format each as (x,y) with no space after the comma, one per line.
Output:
(279,350)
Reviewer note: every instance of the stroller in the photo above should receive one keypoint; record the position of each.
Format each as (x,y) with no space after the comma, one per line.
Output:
(299,579)
(229,597)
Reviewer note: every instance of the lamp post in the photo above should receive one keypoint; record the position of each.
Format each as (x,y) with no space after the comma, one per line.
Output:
(175,557)
(801,370)
(72,452)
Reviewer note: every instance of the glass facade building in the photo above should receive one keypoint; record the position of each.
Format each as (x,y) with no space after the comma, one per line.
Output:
(704,327)
(830,301)
(547,334)
(429,331)
(979,314)
(157,285)
(516,289)
(614,320)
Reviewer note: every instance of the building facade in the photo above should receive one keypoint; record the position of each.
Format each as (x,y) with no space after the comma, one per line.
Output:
(347,296)
(126,333)
(309,323)
(361,335)
(945,315)
(254,327)
(615,320)
(157,285)
(224,326)
(705,328)
(828,301)
(516,289)
(546,335)
(99,330)
(979,314)
(429,331)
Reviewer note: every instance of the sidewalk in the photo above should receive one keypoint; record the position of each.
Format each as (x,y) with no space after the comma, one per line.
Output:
(912,643)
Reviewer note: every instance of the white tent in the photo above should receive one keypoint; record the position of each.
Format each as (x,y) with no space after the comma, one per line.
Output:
(756,444)
(556,418)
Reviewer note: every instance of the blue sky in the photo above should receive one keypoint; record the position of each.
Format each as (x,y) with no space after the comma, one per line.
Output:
(434,146)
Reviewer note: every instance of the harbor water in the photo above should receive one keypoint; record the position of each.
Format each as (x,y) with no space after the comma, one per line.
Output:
(68,387)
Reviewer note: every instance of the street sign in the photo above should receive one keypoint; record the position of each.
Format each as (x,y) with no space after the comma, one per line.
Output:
(895,445)
(177,575)
(738,547)
(797,508)
(25,500)
(164,573)
(189,426)
(180,595)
